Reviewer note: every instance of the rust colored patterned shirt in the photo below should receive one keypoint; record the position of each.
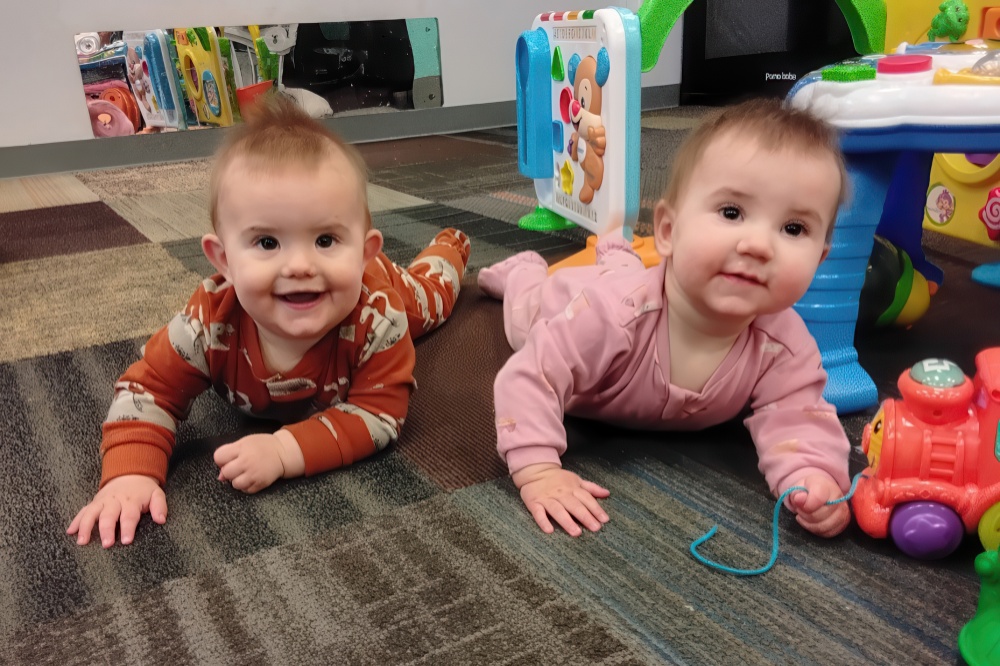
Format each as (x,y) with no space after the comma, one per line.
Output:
(346,398)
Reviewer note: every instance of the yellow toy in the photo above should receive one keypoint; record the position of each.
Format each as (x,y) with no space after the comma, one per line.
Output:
(204,77)
(962,190)
(961,197)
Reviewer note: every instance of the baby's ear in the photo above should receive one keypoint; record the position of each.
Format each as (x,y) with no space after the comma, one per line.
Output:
(663,228)
(215,252)
(373,244)
(826,252)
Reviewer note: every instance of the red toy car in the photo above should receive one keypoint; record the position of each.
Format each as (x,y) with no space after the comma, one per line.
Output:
(934,460)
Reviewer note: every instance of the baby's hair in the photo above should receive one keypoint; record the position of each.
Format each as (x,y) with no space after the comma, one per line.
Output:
(280,135)
(773,125)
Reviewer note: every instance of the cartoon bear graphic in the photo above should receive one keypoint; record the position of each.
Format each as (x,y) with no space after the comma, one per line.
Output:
(588,77)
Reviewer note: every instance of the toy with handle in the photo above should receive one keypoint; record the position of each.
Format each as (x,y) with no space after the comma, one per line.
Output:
(578,116)
(933,472)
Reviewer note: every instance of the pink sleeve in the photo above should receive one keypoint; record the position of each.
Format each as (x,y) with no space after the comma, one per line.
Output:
(565,356)
(796,432)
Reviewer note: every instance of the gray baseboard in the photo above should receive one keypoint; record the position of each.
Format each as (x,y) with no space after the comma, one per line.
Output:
(16,161)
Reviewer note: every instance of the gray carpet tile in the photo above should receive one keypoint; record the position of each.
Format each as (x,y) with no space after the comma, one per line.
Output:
(824,602)
(421,585)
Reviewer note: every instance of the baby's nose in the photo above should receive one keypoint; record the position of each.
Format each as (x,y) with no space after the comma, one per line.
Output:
(756,244)
(299,263)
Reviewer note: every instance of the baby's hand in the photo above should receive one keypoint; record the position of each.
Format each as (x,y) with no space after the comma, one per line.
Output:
(549,490)
(813,512)
(254,462)
(122,500)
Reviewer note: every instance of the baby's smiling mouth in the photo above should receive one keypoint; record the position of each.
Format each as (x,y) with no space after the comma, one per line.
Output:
(300,297)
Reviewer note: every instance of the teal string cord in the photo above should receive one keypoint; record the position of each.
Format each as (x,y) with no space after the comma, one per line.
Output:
(774,534)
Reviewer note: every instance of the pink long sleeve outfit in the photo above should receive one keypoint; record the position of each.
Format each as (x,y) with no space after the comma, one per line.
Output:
(593,342)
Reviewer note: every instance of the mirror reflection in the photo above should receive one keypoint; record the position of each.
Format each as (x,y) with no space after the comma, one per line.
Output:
(169,79)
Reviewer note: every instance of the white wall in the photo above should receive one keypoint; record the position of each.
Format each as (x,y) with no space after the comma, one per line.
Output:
(40,77)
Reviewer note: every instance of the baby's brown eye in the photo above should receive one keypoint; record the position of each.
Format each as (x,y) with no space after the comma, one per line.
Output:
(730,212)
(794,229)
(267,243)
(326,240)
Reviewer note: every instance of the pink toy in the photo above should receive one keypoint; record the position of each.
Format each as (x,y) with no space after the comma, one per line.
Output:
(934,460)
(106,119)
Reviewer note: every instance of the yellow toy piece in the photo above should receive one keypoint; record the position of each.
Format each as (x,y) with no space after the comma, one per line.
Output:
(958,191)
(204,78)
(964,77)
(643,246)
(918,302)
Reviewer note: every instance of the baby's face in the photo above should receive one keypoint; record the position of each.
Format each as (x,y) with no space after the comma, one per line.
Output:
(296,245)
(749,230)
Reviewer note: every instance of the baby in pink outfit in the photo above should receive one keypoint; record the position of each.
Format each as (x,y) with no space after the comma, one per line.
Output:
(691,342)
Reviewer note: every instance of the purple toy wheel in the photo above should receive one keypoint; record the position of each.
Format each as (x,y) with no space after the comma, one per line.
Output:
(926,530)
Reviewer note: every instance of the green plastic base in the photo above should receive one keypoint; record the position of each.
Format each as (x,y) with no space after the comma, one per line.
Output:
(543,219)
(979,640)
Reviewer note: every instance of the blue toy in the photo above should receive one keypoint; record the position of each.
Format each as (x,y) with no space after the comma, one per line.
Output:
(578,116)
(894,112)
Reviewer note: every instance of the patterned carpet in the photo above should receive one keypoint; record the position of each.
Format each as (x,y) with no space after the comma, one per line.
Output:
(422,554)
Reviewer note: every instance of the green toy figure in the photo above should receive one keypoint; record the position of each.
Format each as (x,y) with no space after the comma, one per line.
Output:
(979,640)
(951,22)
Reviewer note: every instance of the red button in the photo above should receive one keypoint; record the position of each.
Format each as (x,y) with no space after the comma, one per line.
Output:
(904,64)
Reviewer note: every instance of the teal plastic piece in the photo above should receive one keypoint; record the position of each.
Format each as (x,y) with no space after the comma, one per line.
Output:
(979,640)
(866,19)
(937,373)
(534,120)
(634,44)
(987,274)
(657,19)
(543,219)
(424,41)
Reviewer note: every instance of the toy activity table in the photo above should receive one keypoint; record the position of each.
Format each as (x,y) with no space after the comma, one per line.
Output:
(894,112)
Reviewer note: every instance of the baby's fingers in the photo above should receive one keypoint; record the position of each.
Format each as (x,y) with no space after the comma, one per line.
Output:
(225,453)
(807,502)
(83,524)
(232,470)
(541,517)
(594,489)
(131,512)
(247,483)
(591,507)
(828,522)
(108,521)
(562,516)
(74,524)
(158,506)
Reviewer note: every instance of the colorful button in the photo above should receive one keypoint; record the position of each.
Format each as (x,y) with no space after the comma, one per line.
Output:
(904,64)
(849,72)
(937,373)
